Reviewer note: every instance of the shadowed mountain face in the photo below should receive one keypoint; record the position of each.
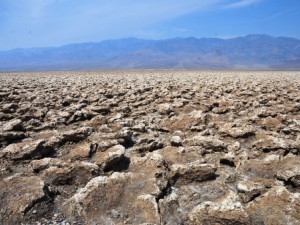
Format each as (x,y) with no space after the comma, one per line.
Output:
(249,52)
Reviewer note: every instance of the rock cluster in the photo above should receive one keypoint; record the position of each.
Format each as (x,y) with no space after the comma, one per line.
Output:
(150,147)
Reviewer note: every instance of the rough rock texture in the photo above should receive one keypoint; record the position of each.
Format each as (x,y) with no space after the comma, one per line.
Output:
(150,147)
(227,211)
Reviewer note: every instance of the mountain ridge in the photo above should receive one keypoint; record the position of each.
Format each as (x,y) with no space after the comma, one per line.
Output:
(254,51)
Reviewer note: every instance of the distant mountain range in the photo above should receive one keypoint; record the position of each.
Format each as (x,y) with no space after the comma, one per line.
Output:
(248,52)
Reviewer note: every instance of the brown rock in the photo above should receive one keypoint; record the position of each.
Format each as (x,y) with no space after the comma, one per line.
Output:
(63,173)
(207,142)
(289,170)
(76,135)
(82,151)
(110,157)
(98,121)
(237,132)
(12,136)
(106,192)
(270,123)
(164,109)
(19,195)
(226,211)
(277,206)
(252,188)
(271,143)
(149,209)
(14,125)
(9,107)
(192,172)
(27,150)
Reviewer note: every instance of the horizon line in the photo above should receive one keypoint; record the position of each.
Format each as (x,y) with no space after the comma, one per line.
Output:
(146,39)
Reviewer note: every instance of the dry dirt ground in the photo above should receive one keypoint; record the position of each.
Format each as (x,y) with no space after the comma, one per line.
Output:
(150,147)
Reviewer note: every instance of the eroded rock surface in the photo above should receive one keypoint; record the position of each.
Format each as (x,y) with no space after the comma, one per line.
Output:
(150,147)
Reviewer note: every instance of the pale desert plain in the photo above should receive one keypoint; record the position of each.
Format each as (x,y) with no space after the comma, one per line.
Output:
(150,147)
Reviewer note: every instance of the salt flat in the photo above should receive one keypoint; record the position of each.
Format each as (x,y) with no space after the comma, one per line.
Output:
(150,147)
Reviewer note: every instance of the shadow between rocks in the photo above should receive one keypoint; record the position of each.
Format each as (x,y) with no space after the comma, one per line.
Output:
(122,165)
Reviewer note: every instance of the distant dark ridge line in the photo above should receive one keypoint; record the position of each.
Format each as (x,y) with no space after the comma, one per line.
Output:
(251,52)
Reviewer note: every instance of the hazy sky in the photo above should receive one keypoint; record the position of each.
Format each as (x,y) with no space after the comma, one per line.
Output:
(35,23)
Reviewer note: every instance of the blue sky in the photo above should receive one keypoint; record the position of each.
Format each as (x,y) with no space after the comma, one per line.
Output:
(37,23)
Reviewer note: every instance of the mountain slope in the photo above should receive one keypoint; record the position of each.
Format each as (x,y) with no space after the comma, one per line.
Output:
(248,52)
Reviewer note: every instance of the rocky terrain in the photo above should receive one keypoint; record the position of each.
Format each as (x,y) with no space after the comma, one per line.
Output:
(150,147)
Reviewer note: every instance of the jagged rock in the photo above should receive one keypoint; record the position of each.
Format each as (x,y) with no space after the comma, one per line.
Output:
(106,191)
(185,121)
(270,123)
(27,150)
(35,122)
(220,110)
(176,141)
(181,200)
(181,155)
(292,176)
(19,194)
(265,168)
(164,109)
(149,209)
(270,159)
(270,143)
(169,210)
(14,125)
(64,114)
(63,173)
(226,211)
(9,108)
(41,164)
(207,142)
(192,172)
(143,148)
(98,121)
(11,136)
(237,132)
(149,173)
(103,110)
(252,188)
(125,133)
(289,170)
(82,151)
(76,135)
(109,157)
(228,159)
(277,206)
(296,108)
(104,141)
(263,112)
(77,116)
(139,127)
(197,128)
